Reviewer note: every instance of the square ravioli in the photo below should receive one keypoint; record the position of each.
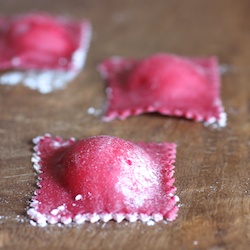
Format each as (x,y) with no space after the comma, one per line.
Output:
(102,178)
(38,48)
(164,83)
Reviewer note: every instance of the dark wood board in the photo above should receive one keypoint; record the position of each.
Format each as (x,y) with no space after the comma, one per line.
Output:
(212,167)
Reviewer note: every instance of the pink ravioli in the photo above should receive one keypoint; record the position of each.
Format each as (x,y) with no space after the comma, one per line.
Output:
(40,41)
(103,178)
(163,83)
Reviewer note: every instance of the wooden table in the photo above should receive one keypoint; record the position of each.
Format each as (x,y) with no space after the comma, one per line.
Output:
(212,167)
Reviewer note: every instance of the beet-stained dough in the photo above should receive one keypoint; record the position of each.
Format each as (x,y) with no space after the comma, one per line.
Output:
(103,178)
(38,47)
(163,83)
(39,41)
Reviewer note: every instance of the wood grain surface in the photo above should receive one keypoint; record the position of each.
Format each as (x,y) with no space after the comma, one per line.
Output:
(212,167)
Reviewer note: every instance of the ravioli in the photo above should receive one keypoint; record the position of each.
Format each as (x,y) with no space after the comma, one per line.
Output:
(42,51)
(103,178)
(164,83)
